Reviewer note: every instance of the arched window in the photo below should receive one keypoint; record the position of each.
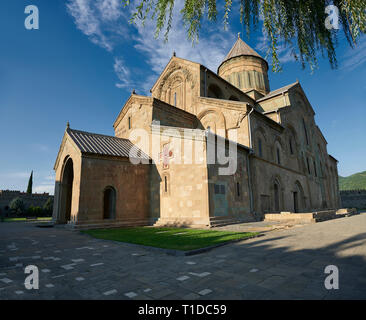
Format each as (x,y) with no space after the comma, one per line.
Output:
(305,131)
(260,150)
(109,203)
(291,145)
(315,172)
(308,165)
(278,153)
(165,185)
(239,82)
(175,99)
(260,146)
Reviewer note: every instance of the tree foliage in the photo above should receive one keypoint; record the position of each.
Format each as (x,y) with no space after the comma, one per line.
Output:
(30,184)
(356,181)
(17,206)
(298,24)
(48,206)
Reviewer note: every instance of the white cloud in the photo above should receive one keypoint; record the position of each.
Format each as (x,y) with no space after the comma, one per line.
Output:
(110,10)
(284,52)
(210,50)
(105,22)
(356,57)
(122,72)
(98,20)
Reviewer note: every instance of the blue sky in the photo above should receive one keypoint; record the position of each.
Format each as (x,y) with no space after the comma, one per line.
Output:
(85,59)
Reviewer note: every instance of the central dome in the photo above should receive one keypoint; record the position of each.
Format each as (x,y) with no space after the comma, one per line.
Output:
(244,68)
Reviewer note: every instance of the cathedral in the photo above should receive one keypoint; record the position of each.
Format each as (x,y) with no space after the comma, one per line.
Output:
(204,147)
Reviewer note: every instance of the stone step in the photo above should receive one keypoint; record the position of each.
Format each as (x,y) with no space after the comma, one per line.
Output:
(223,221)
(109,224)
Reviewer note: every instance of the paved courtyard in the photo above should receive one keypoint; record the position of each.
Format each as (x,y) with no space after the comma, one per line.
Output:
(283,264)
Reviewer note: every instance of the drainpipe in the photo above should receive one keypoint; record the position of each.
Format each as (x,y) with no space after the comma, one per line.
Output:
(250,128)
(250,184)
(248,164)
(205,82)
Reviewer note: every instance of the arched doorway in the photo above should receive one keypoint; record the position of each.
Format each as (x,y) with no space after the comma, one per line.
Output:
(298,198)
(66,191)
(109,203)
(276,189)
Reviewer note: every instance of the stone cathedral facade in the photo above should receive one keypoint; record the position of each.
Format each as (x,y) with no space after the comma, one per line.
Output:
(282,163)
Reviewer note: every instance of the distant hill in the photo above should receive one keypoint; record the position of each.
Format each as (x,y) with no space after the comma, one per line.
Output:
(353,182)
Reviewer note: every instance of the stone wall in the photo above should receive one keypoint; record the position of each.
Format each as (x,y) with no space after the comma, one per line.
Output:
(354,199)
(35,199)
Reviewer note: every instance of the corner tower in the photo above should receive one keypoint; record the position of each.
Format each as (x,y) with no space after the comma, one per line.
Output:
(245,69)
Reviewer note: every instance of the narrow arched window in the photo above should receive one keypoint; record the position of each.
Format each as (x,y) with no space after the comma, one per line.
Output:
(278,156)
(315,172)
(305,131)
(260,151)
(238,189)
(291,146)
(175,99)
(129,122)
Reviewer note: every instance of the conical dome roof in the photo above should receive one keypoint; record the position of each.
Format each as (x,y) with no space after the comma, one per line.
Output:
(240,48)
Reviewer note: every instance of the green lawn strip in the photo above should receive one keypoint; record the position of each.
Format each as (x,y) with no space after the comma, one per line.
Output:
(167,238)
(25,219)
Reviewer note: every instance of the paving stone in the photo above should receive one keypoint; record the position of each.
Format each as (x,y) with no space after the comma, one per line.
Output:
(6,280)
(204,292)
(131,294)
(290,265)
(108,293)
(191,296)
(182,278)
(201,275)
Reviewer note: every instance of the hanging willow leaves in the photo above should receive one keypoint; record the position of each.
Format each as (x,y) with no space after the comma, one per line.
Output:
(296,24)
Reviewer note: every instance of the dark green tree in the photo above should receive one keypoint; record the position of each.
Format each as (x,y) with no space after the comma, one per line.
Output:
(48,207)
(17,206)
(298,24)
(30,184)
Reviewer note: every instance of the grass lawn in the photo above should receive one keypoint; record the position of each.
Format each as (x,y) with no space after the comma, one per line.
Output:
(25,219)
(169,238)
